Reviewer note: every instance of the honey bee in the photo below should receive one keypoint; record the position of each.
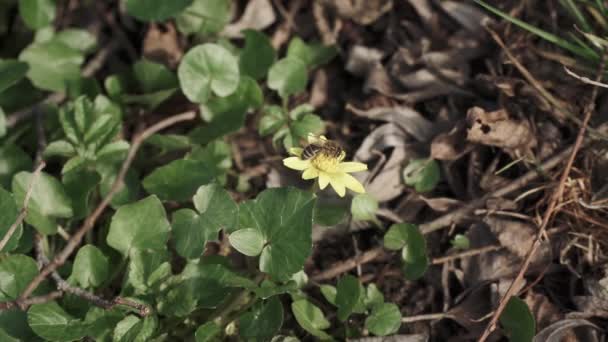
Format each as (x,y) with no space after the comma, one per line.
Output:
(318,145)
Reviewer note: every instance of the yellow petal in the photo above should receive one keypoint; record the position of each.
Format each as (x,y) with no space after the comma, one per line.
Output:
(352,183)
(296,163)
(352,167)
(310,173)
(338,185)
(323,180)
(296,151)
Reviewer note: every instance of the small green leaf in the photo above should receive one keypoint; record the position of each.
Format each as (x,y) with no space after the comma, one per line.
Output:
(263,321)
(208,68)
(129,193)
(329,292)
(207,332)
(373,296)
(51,322)
(219,126)
(396,237)
(11,72)
(300,110)
(37,14)
(133,328)
(364,208)
(257,56)
(153,77)
(423,174)
(77,39)
(349,292)
(141,225)
(146,269)
(312,55)
(384,320)
(152,10)
(414,255)
(460,242)
(518,321)
(310,318)
(169,142)
(52,64)
(91,267)
(308,123)
(60,148)
(9,211)
(179,179)
(16,272)
(113,152)
(272,120)
(288,76)
(79,186)
(248,241)
(204,17)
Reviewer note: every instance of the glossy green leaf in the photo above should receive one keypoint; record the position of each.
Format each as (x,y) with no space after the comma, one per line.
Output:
(397,235)
(257,56)
(141,225)
(348,295)
(364,207)
(263,321)
(385,319)
(413,254)
(152,10)
(423,174)
(248,241)
(91,267)
(9,211)
(207,69)
(52,64)
(313,54)
(51,322)
(16,272)
(178,180)
(284,217)
(217,153)
(11,72)
(518,321)
(207,332)
(204,17)
(37,14)
(288,76)
(310,318)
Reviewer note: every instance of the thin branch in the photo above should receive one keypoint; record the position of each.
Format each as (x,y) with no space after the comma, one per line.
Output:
(426,317)
(466,254)
(347,265)
(557,195)
(585,79)
(23,211)
(90,221)
(22,304)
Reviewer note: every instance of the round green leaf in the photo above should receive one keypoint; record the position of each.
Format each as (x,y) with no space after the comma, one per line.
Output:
(364,207)
(91,267)
(208,68)
(9,211)
(329,292)
(52,323)
(347,297)
(310,318)
(11,72)
(52,64)
(204,17)
(288,76)
(423,174)
(179,179)
(415,260)
(153,10)
(263,321)
(37,14)
(384,320)
(16,272)
(248,241)
(258,54)
(518,321)
(141,225)
(396,237)
(48,196)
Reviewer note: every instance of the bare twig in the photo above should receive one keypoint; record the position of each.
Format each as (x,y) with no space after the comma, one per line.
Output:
(23,211)
(31,301)
(426,317)
(90,221)
(466,254)
(347,265)
(555,198)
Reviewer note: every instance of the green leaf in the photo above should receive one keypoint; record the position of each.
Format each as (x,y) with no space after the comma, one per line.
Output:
(129,193)
(2,123)
(208,68)
(248,241)
(16,272)
(207,332)
(329,292)
(460,241)
(37,14)
(385,319)
(9,211)
(101,322)
(216,153)
(364,208)
(11,72)
(312,55)
(347,297)
(288,76)
(397,235)
(220,125)
(204,17)
(91,267)
(77,39)
(152,10)
(12,160)
(14,323)
(135,329)
(310,318)
(308,123)
(113,152)
(263,321)
(257,56)
(59,148)
(52,64)
(178,180)
(423,174)
(284,217)
(141,225)
(153,77)
(329,212)
(51,322)
(300,110)
(373,296)
(169,142)
(273,119)
(146,269)
(518,321)
(4,336)
(415,259)
(248,95)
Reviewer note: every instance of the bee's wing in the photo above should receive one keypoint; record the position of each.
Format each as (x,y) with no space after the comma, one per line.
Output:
(316,139)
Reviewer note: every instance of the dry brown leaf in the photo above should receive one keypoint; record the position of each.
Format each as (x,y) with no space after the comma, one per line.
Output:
(517,237)
(362,59)
(469,16)
(545,313)
(441,204)
(363,12)
(562,331)
(162,45)
(258,15)
(450,145)
(406,117)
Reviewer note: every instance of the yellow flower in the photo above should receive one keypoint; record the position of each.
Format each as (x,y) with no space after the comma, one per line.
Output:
(329,169)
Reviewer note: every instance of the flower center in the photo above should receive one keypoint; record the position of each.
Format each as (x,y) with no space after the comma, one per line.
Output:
(325,163)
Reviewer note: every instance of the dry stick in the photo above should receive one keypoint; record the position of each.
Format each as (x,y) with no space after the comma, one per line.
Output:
(23,212)
(426,317)
(90,221)
(31,301)
(349,264)
(550,208)
(466,254)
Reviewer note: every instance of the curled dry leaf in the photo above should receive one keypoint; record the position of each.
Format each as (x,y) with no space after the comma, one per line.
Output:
(162,45)
(405,117)
(441,204)
(363,12)
(362,59)
(469,16)
(258,15)
(450,145)
(497,129)
(544,311)
(560,331)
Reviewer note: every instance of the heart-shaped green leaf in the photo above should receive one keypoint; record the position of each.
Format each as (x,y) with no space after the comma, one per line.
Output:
(288,76)
(263,321)
(347,296)
(385,319)
(310,318)
(91,267)
(518,321)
